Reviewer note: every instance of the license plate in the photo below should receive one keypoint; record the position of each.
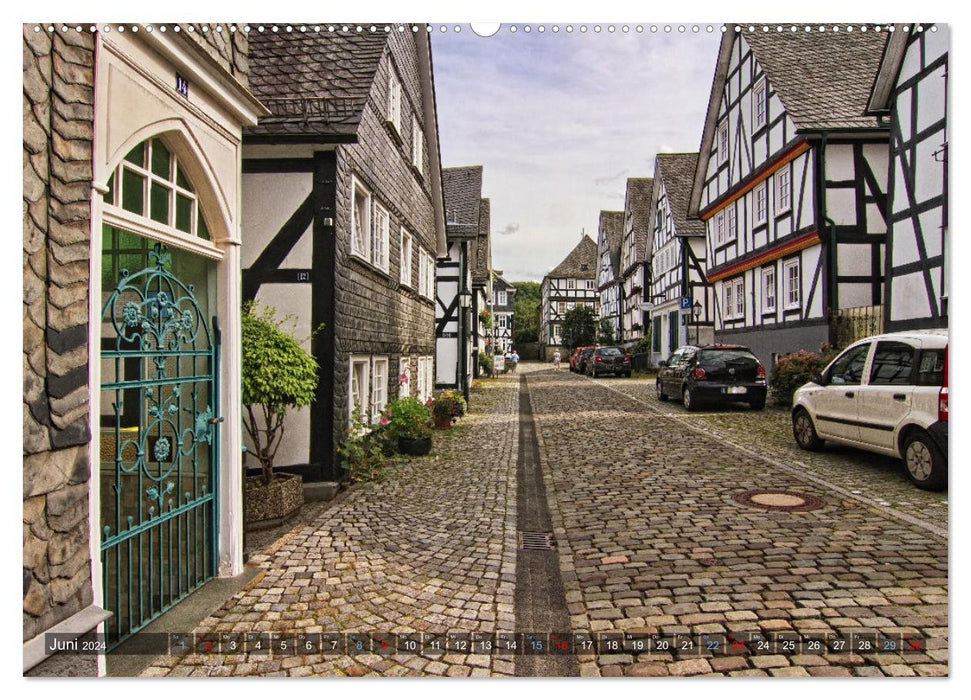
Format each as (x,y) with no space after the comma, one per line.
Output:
(736,390)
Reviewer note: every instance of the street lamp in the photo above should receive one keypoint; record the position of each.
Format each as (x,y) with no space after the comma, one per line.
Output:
(696,312)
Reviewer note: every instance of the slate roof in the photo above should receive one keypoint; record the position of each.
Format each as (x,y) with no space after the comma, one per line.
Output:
(462,190)
(823,78)
(677,172)
(482,255)
(638,206)
(313,83)
(585,253)
(611,233)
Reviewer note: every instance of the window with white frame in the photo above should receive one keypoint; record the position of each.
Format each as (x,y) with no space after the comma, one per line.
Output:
(719,229)
(422,272)
(360,220)
(768,288)
(589,284)
(731,216)
(405,264)
(571,284)
(404,377)
(723,142)
(761,203)
(430,275)
(421,390)
(394,100)
(502,320)
(501,298)
(429,376)
(379,386)
(382,238)
(783,189)
(728,304)
(417,144)
(759,97)
(790,282)
(359,387)
(739,297)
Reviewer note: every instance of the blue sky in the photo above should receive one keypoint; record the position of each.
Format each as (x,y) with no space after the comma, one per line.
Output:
(560,121)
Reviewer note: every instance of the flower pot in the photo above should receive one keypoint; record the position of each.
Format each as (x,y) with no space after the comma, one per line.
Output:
(268,505)
(443,423)
(416,447)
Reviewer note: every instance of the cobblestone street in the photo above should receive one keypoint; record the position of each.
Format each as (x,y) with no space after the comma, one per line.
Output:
(649,541)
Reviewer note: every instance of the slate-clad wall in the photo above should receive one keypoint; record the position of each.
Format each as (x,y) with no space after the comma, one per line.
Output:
(374,313)
(58,122)
(227,47)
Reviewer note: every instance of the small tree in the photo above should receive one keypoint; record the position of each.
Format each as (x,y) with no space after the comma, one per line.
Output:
(277,374)
(579,327)
(606,332)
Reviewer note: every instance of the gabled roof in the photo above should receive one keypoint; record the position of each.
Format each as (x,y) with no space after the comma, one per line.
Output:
(886,78)
(822,78)
(585,254)
(313,82)
(676,172)
(610,233)
(482,250)
(502,283)
(463,194)
(638,206)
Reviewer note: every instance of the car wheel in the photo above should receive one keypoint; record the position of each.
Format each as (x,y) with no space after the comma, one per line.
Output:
(689,401)
(627,374)
(661,396)
(924,463)
(757,405)
(805,432)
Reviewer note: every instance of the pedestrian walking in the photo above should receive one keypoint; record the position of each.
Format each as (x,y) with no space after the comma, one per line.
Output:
(514,360)
(556,361)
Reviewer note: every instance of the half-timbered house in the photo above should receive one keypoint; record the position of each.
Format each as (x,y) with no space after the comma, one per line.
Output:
(679,290)
(503,304)
(610,233)
(454,359)
(571,283)
(132,476)
(343,220)
(911,91)
(635,256)
(791,184)
(482,289)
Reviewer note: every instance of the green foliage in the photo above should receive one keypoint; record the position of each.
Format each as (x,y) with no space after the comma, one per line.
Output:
(486,363)
(795,369)
(606,332)
(485,316)
(406,417)
(448,405)
(643,344)
(525,304)
(579,327)
(364,453)
(278,374)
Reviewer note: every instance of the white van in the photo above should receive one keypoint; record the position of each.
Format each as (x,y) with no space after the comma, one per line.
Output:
(886,394)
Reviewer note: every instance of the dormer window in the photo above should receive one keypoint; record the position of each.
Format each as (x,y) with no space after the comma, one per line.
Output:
(394,100)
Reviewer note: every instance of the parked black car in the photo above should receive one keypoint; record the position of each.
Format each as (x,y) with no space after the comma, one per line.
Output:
(712,374)
(608,359)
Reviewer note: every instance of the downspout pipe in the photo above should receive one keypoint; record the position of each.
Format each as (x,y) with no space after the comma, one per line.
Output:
(831,260)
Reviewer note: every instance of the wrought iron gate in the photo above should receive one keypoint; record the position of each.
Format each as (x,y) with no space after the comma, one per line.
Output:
(159,446)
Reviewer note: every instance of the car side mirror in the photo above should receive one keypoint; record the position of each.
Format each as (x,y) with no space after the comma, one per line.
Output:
(818,379)
(662,363)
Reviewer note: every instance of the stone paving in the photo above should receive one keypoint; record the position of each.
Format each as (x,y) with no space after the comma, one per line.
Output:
(432,549)
(651,541)
(874,478)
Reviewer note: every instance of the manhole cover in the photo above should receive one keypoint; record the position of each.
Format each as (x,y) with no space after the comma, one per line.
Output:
(789,501)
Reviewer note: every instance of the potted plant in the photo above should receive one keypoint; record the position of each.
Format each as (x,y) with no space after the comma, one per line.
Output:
(408,421)
(446,407)
(485,316)
(278,375)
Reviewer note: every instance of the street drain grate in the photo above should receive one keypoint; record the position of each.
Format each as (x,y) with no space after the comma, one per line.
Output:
(536,540)
(786,501)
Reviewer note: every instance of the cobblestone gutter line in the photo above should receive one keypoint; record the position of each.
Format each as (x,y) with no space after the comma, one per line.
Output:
(432,549)
(796,468)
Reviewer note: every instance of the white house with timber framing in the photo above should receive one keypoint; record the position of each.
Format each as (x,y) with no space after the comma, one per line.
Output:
(572,282)
(791,184)
(678,261)
(610,234)
(911,92)
(635,256)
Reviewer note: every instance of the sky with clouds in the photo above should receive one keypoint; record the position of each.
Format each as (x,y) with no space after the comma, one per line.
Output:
(560,121)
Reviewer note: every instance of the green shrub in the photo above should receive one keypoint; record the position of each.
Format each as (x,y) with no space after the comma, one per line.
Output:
(364,453)
(406,417)
(277,374)
(795,369)
(448,404)
(486,363)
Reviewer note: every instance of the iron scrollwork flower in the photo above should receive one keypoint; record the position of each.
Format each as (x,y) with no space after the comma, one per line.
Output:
(130,314)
